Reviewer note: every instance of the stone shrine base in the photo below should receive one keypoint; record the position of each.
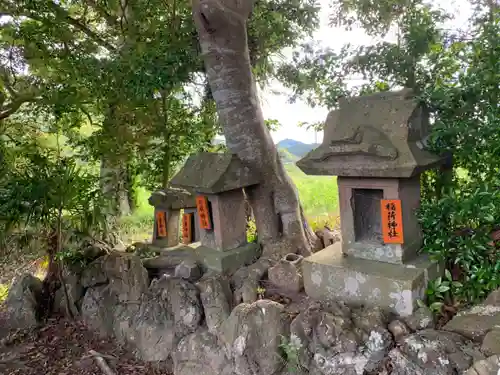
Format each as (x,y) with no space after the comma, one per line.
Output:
(226,262)
(329,275)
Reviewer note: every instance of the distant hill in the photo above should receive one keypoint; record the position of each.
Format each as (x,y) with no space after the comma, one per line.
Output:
(296,148)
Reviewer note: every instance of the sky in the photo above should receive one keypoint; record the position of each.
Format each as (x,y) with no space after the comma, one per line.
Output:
(289,115)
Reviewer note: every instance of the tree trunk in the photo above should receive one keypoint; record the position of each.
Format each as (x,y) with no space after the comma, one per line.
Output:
(221,26)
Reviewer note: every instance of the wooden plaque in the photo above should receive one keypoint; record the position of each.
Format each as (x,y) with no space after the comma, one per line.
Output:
(161,224)
(203,212)
(187,229)
(392,221)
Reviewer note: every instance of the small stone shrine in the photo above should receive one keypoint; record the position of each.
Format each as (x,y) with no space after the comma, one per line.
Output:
(375,145)
(218,180)
(168,204)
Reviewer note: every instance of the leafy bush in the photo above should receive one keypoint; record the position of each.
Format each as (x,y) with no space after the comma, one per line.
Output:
(458,214)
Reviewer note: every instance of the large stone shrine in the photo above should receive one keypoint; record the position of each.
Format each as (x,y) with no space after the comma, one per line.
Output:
(218,180)
(375,145)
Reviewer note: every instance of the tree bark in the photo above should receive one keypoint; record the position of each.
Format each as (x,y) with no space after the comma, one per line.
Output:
(221,26)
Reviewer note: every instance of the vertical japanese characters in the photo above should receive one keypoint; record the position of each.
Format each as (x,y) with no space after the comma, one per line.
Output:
(161,223)
(187,228)
(392,222)
(203,212)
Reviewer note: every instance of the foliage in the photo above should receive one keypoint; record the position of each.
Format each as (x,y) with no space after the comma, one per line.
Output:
(441,292)
(291,354)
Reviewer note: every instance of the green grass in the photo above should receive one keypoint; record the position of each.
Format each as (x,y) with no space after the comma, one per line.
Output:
(139,226)
(318,195)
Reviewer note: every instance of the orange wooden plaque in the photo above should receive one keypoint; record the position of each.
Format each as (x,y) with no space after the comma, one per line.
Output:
(392,221)
(187,229)
(203,212)
(161,224)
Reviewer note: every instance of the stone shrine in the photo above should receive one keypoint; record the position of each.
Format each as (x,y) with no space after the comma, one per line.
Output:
(168,204)
(218,180)
(375,146)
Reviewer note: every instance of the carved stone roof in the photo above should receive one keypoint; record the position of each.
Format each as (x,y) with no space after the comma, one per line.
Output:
(213,173)
(379,135)
(172,198)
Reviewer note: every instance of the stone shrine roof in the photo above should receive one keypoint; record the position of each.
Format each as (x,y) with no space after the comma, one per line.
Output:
(213,173)
(172,198)
(378,135)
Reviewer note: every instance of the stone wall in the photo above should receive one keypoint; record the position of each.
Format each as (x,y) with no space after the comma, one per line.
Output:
(193,327)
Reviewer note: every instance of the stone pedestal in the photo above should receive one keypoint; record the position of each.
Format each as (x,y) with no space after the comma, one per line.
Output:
(226,262)
(331,275)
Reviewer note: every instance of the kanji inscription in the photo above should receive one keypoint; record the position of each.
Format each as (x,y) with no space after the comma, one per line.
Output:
(392,221)
(161,224)
(203,212)
(187,228)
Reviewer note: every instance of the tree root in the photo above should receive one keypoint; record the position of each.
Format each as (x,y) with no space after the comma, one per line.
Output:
(101,362)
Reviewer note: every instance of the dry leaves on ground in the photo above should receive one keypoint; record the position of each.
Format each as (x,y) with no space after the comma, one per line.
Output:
(62,348)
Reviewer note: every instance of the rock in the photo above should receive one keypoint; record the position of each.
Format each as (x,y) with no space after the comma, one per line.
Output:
(251,336)
(93,274)
(98,309)
(433,352)
(398,329)
(71,275)
(475,322)
(490,366)
(491,342)
(22,303)
(215,294)
(199,353)
(422,318)
(181,300)
(152,332)
(113,295)
(188,270)
(330,339)
(127,277)
(287,274)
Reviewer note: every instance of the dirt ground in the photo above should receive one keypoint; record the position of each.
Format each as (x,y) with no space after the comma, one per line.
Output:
(62,348)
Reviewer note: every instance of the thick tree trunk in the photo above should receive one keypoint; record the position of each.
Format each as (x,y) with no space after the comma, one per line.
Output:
(221,26)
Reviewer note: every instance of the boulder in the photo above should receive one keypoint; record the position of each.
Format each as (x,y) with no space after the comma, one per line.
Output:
(491,343)
(71,274)
(399,329)
(331,339)
(422,318)
(432,352)
(200,353)
(188,270)
(181,300)
(215,294)
(151,320)
(251,337)
(22,303)
(489,366)
(287,273)
(476,321)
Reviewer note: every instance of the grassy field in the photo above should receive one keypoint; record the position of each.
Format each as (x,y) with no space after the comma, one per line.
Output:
(318,195)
